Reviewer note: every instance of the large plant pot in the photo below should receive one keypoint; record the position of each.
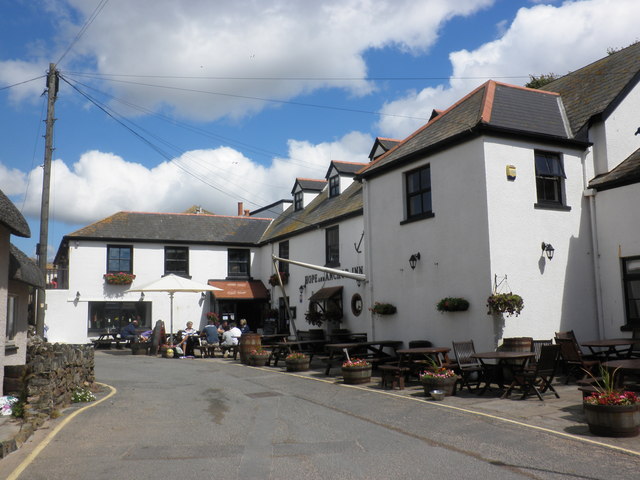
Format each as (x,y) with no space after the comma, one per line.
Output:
(258,360)
(447,385)
(613,420)
(356,375)
(297,364)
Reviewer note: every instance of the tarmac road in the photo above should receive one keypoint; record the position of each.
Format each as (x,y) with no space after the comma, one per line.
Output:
(217,419)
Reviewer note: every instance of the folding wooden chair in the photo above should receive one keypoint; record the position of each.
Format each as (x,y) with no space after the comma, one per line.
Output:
(471,369)
(574,360)
(539,379)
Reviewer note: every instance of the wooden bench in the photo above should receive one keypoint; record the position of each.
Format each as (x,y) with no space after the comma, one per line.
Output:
(393,376)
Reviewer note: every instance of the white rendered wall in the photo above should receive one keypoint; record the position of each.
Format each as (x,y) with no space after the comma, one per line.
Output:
(617,226)
(558,294)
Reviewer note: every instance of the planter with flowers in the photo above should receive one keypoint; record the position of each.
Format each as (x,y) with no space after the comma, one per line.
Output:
(507,303)
(259,357)
(119,278)
(439,378)
(452,304)
(611,412)
(380,308)
(356,371)
(297,362)
(273,279)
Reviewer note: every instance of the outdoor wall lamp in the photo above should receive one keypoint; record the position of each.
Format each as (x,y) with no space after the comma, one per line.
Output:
(203,295)
(141,296)
(548,250)
(413,260)
(77,296)
(302,289)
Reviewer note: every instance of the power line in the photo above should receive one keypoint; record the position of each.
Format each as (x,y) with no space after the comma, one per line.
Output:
(22,83)
(87,24)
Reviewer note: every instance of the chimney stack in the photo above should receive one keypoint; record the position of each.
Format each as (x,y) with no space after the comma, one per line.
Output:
(240,209)
(247,212)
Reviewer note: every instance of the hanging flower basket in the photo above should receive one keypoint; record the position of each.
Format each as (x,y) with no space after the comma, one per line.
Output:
(507,303)
(383,309)
(212,316)
(120,278)
(273,279)
(452,304)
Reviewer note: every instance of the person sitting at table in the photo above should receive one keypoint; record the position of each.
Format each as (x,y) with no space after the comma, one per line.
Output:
(230,338)
(187,341)
(222,328)
(210,332)
(129,332)
(244,328)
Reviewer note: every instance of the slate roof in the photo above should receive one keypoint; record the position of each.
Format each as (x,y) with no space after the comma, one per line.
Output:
(12,218)
(175,227)
(323,210)
(382,145)
(627,173)
(597,88)
(346,168)
(23,269)
(493,107)
(309,184)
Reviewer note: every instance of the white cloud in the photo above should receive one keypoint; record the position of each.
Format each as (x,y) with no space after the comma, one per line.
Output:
(541,39)
(243,39)
(100,184)
(12,180)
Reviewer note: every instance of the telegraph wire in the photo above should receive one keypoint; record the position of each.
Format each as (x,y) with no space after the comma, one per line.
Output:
(6,87)
(101,5)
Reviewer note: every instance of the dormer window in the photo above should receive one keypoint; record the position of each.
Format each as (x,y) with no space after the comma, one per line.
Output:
(334,186)
(297,201)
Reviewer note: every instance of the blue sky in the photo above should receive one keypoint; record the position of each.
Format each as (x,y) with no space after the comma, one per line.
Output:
(235,100)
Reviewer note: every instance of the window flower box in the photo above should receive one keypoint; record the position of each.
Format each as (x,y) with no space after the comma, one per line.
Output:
(120,278)
(452,304)
(383,309)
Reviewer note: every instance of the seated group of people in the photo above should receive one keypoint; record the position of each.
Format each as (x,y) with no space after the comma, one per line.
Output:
(225,334)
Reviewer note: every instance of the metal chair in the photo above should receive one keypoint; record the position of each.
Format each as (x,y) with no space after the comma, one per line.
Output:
(471,369)
(539,379)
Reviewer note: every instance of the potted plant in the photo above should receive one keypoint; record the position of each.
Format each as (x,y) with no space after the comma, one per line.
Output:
(273,279)
(356,371)
(383,308)
(314,317)
(259,357)
(508,303)
(439,378)
(297,362)
(119,278)
(212,316)
(609,411)
(452,304)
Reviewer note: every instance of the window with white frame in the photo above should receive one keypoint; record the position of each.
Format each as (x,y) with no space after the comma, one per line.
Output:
(549,178)
(238,262)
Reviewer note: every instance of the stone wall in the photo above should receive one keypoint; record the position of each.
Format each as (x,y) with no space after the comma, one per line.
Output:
(53,372)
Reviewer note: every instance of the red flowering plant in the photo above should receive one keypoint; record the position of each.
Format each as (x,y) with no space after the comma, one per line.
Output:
(356,362)
(119,278)
(212,316)
(606,393)
(259,352)
(438,373)
(296,356)
(273,279)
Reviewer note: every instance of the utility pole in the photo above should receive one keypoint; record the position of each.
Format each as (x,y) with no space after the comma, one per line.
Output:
(52,93)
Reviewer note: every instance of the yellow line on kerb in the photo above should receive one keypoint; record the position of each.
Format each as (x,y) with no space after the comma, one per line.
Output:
(36,451)
(459,409)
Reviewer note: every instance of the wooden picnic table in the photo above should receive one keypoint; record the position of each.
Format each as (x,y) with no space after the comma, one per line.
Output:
(282,349)
(419,358)
(623,368)
(372,351)
(597,347)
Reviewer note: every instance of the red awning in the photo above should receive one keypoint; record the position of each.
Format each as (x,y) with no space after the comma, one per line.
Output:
(240,290)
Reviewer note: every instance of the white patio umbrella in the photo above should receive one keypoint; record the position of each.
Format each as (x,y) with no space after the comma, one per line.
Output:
(171,284)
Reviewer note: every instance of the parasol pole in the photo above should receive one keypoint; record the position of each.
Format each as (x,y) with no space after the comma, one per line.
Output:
(171,317)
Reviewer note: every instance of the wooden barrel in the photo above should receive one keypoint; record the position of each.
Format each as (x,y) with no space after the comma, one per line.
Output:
(517,344)
(248,342)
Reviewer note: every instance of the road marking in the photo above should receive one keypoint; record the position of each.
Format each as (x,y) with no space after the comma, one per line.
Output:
(459,409)
(36,451)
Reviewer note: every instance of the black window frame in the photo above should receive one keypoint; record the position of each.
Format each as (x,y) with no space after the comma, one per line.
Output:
(332,246)
(119,259)
(283,252)
(550,179)
(334,186)
(168,250)
(632,315)
(233,259)
(421,192)
(298,201)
